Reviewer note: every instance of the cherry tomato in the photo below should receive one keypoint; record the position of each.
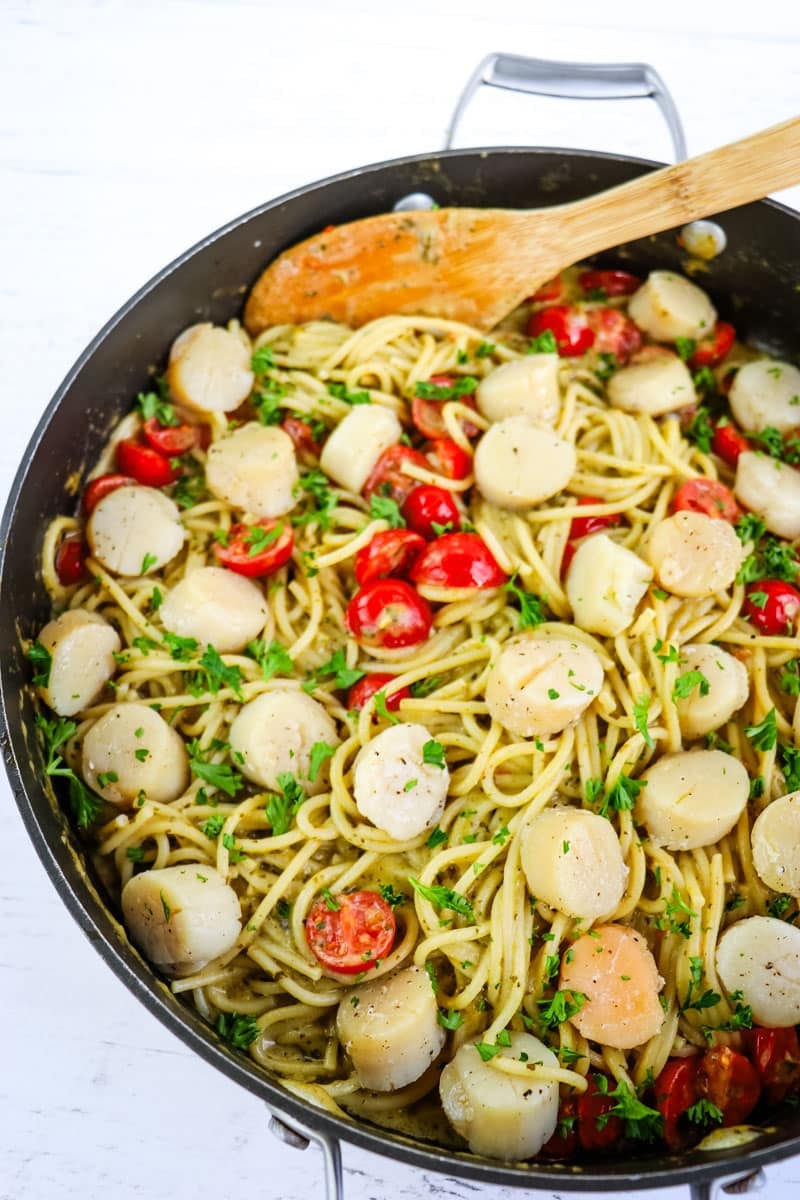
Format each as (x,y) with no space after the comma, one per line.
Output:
(70,562)
(427,414)
(448,458)
(366,688)
(614,333)
(171,440)
(146,465)
(569,326)
(550,292)
(567,557)
(304,443)
(728,443)
(707,496)
(387,477)
(730,1081)
(775,1053)
(563,1145)
(388,613)
(772,606)
(712,349)
(428,505)
(676,1089)
(355,935)
(594,1107)
(392,552)
(96,489)
(613,283)
(258,549)
(582,526)
(458,560)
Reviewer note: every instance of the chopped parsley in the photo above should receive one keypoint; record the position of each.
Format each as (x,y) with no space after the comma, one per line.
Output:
(151,404)
(487,1051)
(281,809)
(42,661)
(390,896)
(437,837)
(692,1001)
(336,668)
(641,1122)
(686,347)
(315,485)
(320,751)
(237,1030)
(562,1006)
(212,828)
(789,681)
(433,754)
(764,735)
(182,649)
(704,1113)
(148,561)
(686,683)
(189,490)
(382,711)
(531,606)
(340,392)
(258,538)
(331,903)
(465,385)
(700,431)
(273,658)
(672,655)
(789,763)
(622,796)
(384,508)
(444,897)
(214,674)
(449,1018)
(544,343)
(218,775)
(424,687)
(84,804)
(262,360)
(641,709)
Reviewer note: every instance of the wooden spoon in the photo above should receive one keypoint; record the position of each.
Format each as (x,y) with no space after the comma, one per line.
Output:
(477,264)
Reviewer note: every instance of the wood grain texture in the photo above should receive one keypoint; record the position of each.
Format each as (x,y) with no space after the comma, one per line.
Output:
(128,130)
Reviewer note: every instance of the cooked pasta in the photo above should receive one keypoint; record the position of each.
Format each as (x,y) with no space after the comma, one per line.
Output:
(553,749)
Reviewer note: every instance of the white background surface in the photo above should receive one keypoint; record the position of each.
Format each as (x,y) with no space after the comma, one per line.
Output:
(128,131)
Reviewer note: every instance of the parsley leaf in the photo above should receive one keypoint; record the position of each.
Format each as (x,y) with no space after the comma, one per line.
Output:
(544,343)
(789,681)
(320,751)
(641,709)
(212,828)
(148,561)
(393,899)
(316,486)
(444,897)
(465,385)
(189,490)
(700,431)
(84,804)
(449,1018)
(623,795)
(433,754)
(789,763)
(641,1122)
(180,648)
(281,809)
(331,903)
(531,606)
(487,1051)
(705,1113)
(563,1006)
(336,667)
(273,659)
(41,661)
(340,392)
(437,837)
(150,404)
(218,775)
(764,735)
(424,687)
(386,509)
(686,683)
(382,711)
(686,347)
(262,360)
(219,675)
(237,1030)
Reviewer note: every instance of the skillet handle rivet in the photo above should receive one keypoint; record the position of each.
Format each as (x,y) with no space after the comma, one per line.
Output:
(286,1134)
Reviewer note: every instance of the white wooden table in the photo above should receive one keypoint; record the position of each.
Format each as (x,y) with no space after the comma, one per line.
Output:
(128,131)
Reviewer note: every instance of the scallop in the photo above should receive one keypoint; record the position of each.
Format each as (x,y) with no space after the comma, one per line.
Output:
(181,917)
(276,733)
(131,754)
(501,1116)
(573,861)
(255,469)
(605,584)
(760,957)
(135,530)
(669,306)
(357,442)
(613,968)
(518,464)
(694,555)
(540,685)
(775,839)
(209,369)
(527,387)
(766,393)
(396,785)
(217,608)
(657,386)
(771,490)
(81,645)
(389,1029)
(692,798)
(722,691)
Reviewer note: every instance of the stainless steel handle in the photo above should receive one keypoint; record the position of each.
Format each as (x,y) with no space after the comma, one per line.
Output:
(576,81)
(299,1136)
(738,1186)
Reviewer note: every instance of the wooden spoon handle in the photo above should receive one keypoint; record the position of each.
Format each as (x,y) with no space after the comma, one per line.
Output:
(721,179)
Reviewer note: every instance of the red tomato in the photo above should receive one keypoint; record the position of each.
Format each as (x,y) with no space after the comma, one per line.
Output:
(306,447)
(388,613)
(258,549)
(427,414)
(712,349)
(70,560)
(613,283)
(550,292)
(596,1129)
(387,477)
(775,1054)
(707,496)
(569,326)
(728,443)
(458,560)
(775,615)
(96,489)
(145,464)
(676,1090)
(428,504)
(563,1145)
(614,333)
(729,1080)
(582,526)
(353,937)
(567,557)
(171,440)
(392,552)
(366,688)
(448,458)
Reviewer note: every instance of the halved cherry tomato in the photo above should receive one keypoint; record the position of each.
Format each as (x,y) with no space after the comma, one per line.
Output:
(775,1053)
(392,552)
(387,477)
(597,1130)
(563,1144)
(614,333)
(728,443)
(171,440)
(303,439)
(568,324)
(96,489)
(711,349)
(366,688)
(427,414)
(707,496)
(70,561)
(582,526)
(428,505)
(458,560)
(353,936)
(676,1089)
(258,549)
(567,557)
(772,606)
(550,292)
(448,458)
(729,1081)
(146,465)
(613,283)
(388,613)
